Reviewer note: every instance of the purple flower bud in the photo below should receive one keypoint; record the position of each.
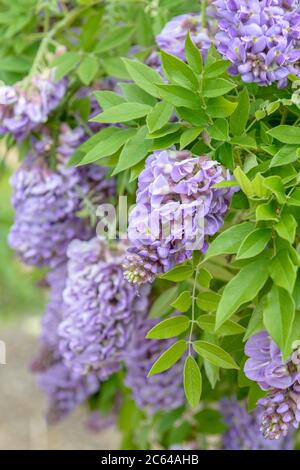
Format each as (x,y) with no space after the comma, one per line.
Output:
(244,429)
(280,412)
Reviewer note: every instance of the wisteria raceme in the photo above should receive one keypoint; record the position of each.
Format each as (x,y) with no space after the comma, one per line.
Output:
(49,352)
(281,407)
(64,390)
(46,200)
(45,203)
(26,105)
(172,38)
(265,365)
(100,308)
(260,38)
(54,309)
(244,429)
(280,411)
(159,392)
(176,210)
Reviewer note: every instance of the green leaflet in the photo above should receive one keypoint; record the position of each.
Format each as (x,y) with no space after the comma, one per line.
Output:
(286,134)
(279,314)
(123,112)
(168,358)
(179,273)
(241,289)
(135,150)
(215,354)
(239,117)
(192,381)
(170,327)
(254,243)
(162,304)
(230,240)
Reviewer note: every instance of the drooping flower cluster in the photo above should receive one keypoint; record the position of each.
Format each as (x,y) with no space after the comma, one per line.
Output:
(177,208)
(100,307)
(281,407)
(46,200)
(49,353)
(260,38)
(159,392)
(243,429)
(172,38)
(280,411)
(63,390)
(52,317)
(24,106)
(265,365)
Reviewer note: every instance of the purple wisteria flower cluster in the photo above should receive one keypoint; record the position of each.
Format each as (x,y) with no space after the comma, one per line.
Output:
(260,38)
(172,38)
(64,390)
(160,392)
(99,309)
(281,407)
(26,105)
(46,200)
(52,317)
(177,208)
(243,429)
